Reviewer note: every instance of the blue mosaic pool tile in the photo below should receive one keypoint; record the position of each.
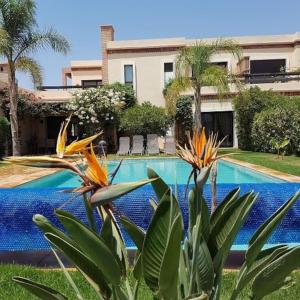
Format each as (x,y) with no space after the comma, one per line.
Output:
(17,206)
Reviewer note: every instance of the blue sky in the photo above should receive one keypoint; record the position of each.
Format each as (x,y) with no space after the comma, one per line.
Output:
(139,19)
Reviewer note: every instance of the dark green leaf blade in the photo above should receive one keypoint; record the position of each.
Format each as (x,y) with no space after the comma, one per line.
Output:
(82,262)
(136,233)
(39,290)
(109,193)
(265,230)
(93,246)
(274,275)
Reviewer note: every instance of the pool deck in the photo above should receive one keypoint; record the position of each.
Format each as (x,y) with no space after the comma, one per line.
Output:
(264,170)
(14,175)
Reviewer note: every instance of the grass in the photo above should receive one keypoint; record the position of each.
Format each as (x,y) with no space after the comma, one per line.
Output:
(55,279)
(289,164)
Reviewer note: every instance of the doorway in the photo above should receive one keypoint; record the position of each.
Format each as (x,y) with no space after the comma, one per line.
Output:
(221,123)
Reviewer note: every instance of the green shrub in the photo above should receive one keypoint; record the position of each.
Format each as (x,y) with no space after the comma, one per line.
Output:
(184,116)
(277,123)
(4,130)
(246,105)
(144,119)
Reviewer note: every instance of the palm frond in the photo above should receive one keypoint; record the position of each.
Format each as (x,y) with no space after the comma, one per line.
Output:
(33,41)
(29,65)
(176,86)
(217,77)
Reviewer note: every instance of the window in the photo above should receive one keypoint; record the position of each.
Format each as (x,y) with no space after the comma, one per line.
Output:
(222,64)
(128,74)
(168,72)
(267,66)
(91,83)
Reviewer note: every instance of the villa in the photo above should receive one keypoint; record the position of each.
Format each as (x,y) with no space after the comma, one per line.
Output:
(270,62)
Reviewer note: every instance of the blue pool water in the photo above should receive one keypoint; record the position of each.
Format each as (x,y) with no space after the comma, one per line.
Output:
(171,170)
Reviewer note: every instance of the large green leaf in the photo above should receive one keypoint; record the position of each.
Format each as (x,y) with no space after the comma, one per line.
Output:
(273,277)
(202,271)
(227,227)
(117,244)
(263,259)
(159,186)
(109,193)
(198,206)
(136,233)
(265,230)
(47,227)
(93,246)
(82,262)
(162,245)
(39,290)
(228,200)
(168,277)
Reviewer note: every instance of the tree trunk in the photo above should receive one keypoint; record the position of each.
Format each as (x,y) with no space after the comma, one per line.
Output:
(197,116)
(13,99)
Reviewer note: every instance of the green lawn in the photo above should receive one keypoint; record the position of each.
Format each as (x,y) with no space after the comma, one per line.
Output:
(289,164)
(55,279)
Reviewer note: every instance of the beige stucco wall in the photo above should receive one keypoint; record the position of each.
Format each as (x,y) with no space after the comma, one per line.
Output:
(77,76)
(149,75)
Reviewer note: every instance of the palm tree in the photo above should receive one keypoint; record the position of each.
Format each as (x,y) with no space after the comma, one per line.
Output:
(195,70)
(20,37)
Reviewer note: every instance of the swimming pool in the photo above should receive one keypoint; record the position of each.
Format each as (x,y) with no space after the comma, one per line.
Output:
(43,196)
(172,170)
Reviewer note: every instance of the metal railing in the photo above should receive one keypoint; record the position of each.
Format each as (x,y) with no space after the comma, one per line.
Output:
(271,77)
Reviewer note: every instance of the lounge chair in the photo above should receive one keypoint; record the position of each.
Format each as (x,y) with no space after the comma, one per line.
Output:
(170,147)
(152,144)
(124,145)
(137,145)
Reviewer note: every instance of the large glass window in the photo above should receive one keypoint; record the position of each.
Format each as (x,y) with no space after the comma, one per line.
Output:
(128,74)
(168,72)
(267,66)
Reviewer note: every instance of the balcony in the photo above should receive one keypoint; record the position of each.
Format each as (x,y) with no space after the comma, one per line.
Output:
(280,77)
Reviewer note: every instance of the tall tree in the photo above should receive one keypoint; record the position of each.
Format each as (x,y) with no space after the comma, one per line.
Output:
(195,70)
(19,38)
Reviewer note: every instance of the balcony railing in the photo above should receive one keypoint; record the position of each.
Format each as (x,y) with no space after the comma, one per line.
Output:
(63,87)
(271,77)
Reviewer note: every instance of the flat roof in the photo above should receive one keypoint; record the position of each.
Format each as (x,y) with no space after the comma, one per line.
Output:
(180,41)
(86,63)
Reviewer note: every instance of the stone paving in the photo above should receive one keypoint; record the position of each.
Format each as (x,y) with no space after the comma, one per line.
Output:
(13,175)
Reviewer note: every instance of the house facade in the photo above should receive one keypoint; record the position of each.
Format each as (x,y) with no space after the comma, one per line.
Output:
(270,62)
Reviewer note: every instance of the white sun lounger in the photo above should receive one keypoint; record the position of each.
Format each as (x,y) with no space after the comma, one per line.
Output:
(124,145)
(170,147)
(152,144)
(137,145)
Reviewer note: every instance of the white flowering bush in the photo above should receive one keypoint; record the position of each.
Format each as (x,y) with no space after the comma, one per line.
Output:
(97,107)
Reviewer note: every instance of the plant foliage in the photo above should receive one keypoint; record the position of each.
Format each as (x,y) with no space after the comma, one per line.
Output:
(145,119)
(277,124)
